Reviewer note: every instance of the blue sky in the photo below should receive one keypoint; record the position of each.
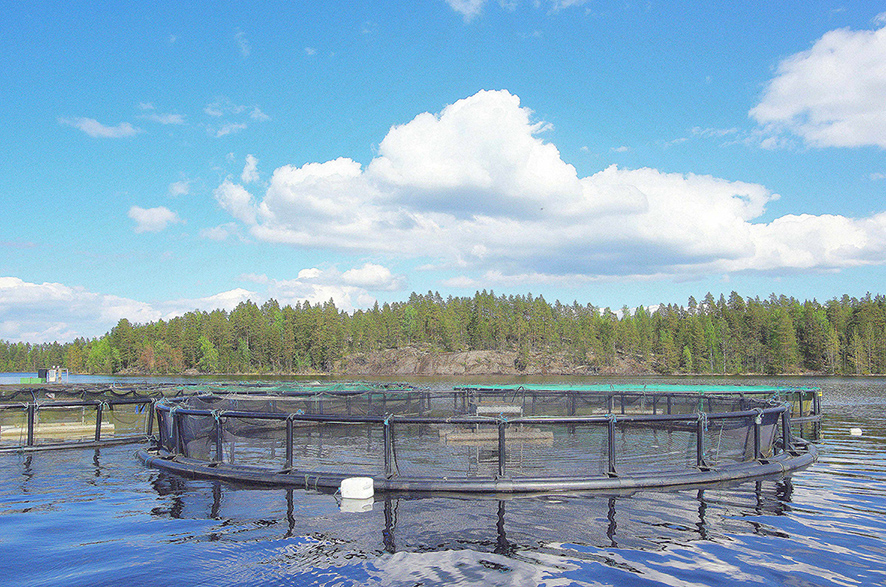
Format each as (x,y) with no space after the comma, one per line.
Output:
(182,157)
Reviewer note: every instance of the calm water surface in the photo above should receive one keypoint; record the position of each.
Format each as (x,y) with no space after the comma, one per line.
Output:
(97,517)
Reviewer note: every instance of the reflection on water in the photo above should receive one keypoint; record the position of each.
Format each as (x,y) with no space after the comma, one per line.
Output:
(442,540)
(97,517)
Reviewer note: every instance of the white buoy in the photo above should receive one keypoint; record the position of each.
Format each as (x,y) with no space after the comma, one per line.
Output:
(855,431)
(357,488)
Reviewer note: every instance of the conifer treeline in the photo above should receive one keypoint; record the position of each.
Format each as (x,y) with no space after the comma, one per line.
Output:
(734,335)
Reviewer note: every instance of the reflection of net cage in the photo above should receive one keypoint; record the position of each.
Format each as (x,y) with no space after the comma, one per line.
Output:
(479,439)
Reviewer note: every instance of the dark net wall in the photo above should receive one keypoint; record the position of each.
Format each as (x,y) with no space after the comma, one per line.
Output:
(470,434)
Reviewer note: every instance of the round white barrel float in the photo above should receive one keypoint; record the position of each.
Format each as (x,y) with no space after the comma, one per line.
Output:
(357,488)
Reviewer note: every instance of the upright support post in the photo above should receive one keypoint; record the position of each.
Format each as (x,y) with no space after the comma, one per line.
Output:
(699,441)
(219,439)
(161,427)
(288,443)
(611,446)
(176,431)
(389,449)
(32,413)
(149,427)
(98,420)
(758,424)
(786,430)
(502,454)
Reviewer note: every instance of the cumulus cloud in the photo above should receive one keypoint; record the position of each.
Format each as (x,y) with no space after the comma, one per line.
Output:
(832,95)
(152,219)
(96,129)
(349,289)
(47,312)
(236,201)
(250,170)
(373,277)
(221,232)
(476,188)
(180,188)
(467,8)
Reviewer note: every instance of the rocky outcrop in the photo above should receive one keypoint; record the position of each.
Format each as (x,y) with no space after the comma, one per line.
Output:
(417,361)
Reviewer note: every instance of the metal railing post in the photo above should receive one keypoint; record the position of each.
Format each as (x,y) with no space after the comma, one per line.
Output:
(758,422)
(389,448)
(786,430)
(32,412)
(502,454)
(699,440)
(219,439)
(288,443)
(150,423)
(611,446)
(99,407)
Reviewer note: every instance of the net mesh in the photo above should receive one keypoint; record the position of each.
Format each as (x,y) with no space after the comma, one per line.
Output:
(471,433)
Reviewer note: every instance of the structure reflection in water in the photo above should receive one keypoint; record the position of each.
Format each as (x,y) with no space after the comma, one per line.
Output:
(507,526)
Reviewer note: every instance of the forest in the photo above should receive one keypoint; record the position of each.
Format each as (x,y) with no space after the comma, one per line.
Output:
(734,335)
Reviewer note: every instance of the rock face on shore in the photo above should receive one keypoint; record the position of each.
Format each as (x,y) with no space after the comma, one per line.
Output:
(416,361)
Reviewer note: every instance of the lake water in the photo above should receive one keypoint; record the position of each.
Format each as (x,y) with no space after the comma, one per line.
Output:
(98,517)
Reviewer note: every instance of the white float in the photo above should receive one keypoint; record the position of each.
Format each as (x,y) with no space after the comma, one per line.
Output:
(357,488)
(855,431)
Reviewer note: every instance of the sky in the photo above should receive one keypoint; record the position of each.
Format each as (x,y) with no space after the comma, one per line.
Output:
(190,157)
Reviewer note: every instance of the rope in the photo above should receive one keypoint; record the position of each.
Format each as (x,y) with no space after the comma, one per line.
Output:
(703,418)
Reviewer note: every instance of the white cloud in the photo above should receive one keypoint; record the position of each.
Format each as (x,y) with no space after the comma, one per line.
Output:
(32,312)
(221,232)
(242,43)
(475,188)
(467,8)
(250,170)
(311,50)
(257,114)
(349,290)
(832,95)
(96,129)
(180,188)
(164,118)
(222,107)
(373,277)
(152,219)
(230,128)
(236,201)
(46,312)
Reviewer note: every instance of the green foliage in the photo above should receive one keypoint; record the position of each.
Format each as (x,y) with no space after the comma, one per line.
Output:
(725,335)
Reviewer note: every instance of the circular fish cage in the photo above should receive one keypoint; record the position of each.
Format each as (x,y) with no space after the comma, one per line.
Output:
(483,439)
